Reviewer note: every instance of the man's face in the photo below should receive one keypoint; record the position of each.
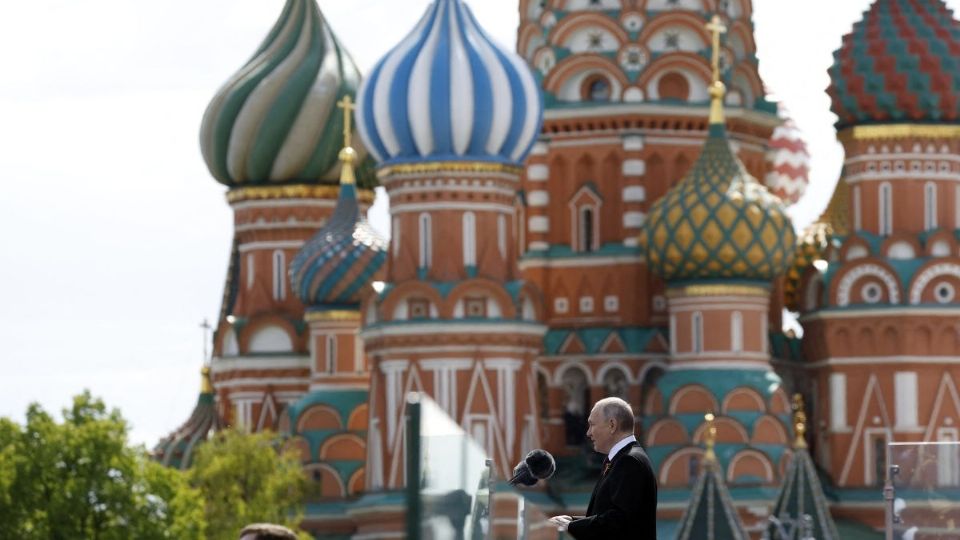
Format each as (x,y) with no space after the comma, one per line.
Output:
(601,431)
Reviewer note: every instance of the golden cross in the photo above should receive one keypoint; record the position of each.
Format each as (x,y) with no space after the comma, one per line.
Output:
(348,107)
(716,27)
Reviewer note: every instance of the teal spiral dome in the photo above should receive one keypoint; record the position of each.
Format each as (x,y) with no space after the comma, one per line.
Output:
(901,63)
(341,259)
(276,120)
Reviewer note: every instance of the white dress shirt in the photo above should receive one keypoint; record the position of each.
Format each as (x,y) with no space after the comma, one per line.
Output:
(619,446)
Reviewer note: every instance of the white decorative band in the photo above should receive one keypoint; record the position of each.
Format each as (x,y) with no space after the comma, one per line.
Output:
(538,246)
(539,149)
(634,167)
(538,198)
(634,220)
(538,173)
(539,224)
(634,194)
(633,143)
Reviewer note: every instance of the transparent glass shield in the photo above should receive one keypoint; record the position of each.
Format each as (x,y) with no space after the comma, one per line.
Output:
(457,495)
(922,491)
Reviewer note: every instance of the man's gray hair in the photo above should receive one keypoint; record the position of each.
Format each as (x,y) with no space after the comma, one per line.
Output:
(268,531)
(614,408)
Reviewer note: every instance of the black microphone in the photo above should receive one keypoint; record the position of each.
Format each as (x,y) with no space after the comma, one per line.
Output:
(538,465)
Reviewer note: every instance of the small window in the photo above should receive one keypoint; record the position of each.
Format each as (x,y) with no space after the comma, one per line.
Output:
(418,308)
(944,293)
(561,305)
(586,304)
(279,275)
(469,239)
(587,231)
(611,303)
(886,209)
(426,241)
(598,89)
(475,307)
(872,293)
(331,353)
(697,332)
(930,206)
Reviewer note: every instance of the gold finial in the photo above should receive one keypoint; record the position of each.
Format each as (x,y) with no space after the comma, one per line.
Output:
(206,386)
(799,421)
(347,155)
(711,438)
(717,89)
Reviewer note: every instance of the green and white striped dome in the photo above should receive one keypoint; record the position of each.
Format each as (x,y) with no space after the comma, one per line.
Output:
(276,121)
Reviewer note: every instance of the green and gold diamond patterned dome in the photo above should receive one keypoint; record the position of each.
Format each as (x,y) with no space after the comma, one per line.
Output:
(718,222)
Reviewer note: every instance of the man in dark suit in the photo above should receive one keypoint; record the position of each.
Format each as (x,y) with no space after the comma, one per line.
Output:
(624,501)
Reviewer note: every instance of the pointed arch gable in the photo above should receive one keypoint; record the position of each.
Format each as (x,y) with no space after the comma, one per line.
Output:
(946,402)
(873,400)
(693,398)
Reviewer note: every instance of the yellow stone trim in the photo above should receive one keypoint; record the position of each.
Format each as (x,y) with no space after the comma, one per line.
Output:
(298,191)
(448,166)
(717,290)
(899,131)
(332,315)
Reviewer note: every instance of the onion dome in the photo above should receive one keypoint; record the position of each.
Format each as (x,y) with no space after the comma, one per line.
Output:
(789,164)
(275,121)
(901,63)
(718,222)
(342,258)
(176,450)
(710,514)
(801,509)
(447,92)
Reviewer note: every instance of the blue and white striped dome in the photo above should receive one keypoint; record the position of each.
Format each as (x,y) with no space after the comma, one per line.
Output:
(447,92)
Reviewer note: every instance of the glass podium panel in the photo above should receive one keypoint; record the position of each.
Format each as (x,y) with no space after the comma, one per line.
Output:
(922,491)
(455,494)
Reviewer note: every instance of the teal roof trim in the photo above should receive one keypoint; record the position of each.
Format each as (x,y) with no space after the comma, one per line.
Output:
(635,339)
(562,251)
(720,381)
(343,401)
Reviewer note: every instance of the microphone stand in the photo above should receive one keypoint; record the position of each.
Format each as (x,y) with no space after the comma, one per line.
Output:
(490,485)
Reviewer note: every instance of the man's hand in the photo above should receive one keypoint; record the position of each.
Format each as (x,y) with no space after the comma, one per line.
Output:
(561,522)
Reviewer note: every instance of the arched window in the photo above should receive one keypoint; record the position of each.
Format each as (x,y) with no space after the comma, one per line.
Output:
(279,275)
(615,383)
(251,270)
(426,241)
(587,225)
(886,209)
(331,353)
(597,89)
(469,240)
(502,235)
(930,206)
(673,87)
(395,237)
(697,320)
(857,212)
(736,332)
(575,405)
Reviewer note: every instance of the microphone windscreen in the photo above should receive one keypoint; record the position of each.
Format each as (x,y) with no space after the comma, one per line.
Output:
(541,464)
(522,476)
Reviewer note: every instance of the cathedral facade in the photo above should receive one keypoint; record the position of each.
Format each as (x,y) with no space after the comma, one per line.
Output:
(601,212)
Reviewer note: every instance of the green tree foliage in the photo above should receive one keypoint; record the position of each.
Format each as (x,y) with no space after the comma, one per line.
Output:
(245,479)
(81,479)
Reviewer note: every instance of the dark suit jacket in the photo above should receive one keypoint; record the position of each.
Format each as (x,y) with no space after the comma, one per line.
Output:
(624,501)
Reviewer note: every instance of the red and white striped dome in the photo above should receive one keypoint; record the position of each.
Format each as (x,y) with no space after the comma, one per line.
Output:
(789,164)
